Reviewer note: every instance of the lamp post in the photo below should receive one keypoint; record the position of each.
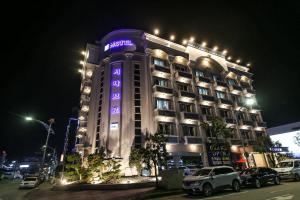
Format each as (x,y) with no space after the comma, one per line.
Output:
(49,131)
(248,102)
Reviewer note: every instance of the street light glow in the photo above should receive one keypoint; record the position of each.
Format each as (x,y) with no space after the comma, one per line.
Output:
(28,118)
(250,101)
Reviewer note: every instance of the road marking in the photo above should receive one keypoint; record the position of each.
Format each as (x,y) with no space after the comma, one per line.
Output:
(278,191)
(282,197)
(220,197)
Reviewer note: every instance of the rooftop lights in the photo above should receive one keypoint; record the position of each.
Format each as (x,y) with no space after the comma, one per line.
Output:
(172,37)
(215,48)
(156,31)
(81,62)
(203,44)
(224,52)
(192,39)
(248,64)
(184,42)
(229,58)
(238,60)
(83,53)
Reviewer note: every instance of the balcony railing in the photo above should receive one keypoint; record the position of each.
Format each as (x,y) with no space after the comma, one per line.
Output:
(261,124)
(221,83)
(246,122)
(162,89)
(187,94)
(167,113)
(207,117)
(172,139)
(237,87)
(230,120)
(203,79)
(190,115)
(184,74)
(162,69)
(193,140)
(207,98)
(225,101)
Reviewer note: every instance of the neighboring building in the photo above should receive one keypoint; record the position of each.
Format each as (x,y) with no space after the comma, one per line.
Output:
(286,135)
(134,82)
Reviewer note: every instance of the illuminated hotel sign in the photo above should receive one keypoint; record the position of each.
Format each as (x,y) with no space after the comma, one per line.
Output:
(115,108)
(117,44)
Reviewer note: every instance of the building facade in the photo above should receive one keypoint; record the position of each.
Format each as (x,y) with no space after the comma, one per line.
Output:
(135,83)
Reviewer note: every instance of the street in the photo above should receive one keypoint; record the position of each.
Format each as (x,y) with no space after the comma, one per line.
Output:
(285,191)
(9,191)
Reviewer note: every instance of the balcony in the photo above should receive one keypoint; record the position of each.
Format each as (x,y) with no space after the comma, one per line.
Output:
(84,98)
(163,92)
(203,81)
(260,124)
(248,92)
(207,118)
(235,89)
(165,113)
(229,120)
(193,140)
(172,139)
(245,123)
(224,103)
(187,94)
(207,99)
(159,71)
(220,85)
(184,77)
(189,115)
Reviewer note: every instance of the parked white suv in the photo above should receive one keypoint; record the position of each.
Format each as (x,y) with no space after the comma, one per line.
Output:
(289,169)
(209,179)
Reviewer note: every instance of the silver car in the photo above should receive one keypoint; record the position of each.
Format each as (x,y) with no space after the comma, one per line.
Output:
(209,179)
(29,182)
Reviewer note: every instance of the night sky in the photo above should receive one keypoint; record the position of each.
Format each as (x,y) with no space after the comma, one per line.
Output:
(42,44)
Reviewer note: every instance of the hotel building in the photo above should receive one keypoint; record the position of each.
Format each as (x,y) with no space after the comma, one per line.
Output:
(135,83)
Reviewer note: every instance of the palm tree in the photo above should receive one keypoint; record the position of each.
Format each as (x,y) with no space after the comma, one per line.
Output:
(218,129)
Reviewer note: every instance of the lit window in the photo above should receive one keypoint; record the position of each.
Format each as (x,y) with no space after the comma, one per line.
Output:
(161,82)
(162,104)
(203,91)
(159,62)
(199,73)
(231,82)
(220,95)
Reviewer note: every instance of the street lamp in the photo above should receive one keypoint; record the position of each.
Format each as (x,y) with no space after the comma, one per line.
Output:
(49,131)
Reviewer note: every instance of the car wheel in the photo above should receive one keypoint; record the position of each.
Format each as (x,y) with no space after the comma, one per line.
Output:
(257,183)
(276,181)
(236,186)
(297,177)
(207,190)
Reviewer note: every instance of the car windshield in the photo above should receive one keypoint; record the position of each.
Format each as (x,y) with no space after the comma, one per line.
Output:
(285,164)
(202,172)
(30,179)
(249,171)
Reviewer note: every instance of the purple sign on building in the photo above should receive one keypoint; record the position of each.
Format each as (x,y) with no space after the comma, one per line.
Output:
(118,43)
